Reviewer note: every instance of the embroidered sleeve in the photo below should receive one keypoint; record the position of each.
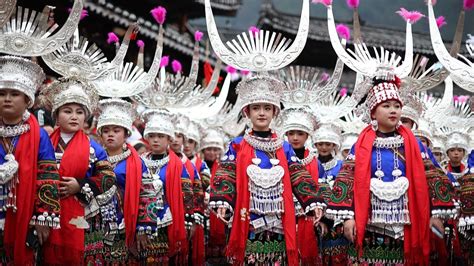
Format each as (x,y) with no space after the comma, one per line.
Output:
(188,199)
(341,200)
(305,189)
(443,200)
(198,199)
(223,192)
(47,207)
(466,219)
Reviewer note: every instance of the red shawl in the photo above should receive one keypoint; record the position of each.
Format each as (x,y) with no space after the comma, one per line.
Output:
(17,223)
(174,195)
(69,242)
(240,224)
(307,239)
(417,234)
(133,184)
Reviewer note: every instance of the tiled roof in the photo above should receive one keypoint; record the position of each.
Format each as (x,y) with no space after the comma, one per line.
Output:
(228,5)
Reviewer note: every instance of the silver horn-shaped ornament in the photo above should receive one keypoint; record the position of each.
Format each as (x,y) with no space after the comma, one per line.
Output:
(462,72)
(129,79)
(25,35)
(6,10)
(80,58)
(262,51)
(361,61)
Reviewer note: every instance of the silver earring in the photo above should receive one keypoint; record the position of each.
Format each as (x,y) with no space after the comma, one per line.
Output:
(374,124)
(399,124)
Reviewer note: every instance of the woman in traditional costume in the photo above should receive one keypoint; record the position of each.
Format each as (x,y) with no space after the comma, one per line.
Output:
(87,178)
(162,205)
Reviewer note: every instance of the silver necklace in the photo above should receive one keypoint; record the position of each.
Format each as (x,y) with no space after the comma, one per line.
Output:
(158,164)
(329,165)
(16,130)
(389,142)
(263,144)
(119,157)
(308,159)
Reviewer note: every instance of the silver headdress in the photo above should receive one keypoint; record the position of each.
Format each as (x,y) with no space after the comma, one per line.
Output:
(227,120)
(262,51)
(456,139)
(78,58)
(28,34)
(129,79)
(297,118)
(158,121)
(424,129)
(213,138)
(412,107)
(21,74)
(7,7)
(181,125)
(461,70)
(71,90)
(328,132)
(194,132)
(383,66)
(259,52)
(116,112)
(352,125)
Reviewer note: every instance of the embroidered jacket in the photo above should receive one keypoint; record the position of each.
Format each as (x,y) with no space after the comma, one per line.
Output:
(47,182)
(223,189)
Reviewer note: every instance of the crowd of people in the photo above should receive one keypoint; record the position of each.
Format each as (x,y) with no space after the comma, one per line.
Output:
(109,164)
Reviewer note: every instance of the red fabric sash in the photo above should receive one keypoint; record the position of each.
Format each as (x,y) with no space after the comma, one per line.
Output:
(241,222)
(189,167)
(307,239)
(217,227)
(133,184)
(177,241)
(198,163)
(66,245)
(417,234)
(17,223)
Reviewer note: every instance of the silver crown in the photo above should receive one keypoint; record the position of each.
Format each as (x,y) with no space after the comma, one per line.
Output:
(78,57)
(348,140)
(383,66)
(333,107)
(28,34)
(181,125)
(328,132)
(352,125)
(116,112)
(213,138)
(438,143)
(21,74)
(129,79)
(227,119)
(461,70)
(300,118)
(424,129)
(7,8)
(456,139)
(71,90)
(306,85)
(412,108)
(158,121)
(194,131)
(260,89)
(262,51)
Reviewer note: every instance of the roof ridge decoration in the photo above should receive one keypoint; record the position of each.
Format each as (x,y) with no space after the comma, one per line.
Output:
(262,51)
(26,32)
(384,65)
(78,57)
(462,70)
(129,79)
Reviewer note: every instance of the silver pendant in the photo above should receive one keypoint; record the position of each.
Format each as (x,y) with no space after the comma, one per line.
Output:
(396,172)
(379,173)
(256,161)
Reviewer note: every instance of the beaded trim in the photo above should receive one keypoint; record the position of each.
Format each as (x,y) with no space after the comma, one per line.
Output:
(388,143)
(263,144)
(330,165)
(119,157)
(308,159)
